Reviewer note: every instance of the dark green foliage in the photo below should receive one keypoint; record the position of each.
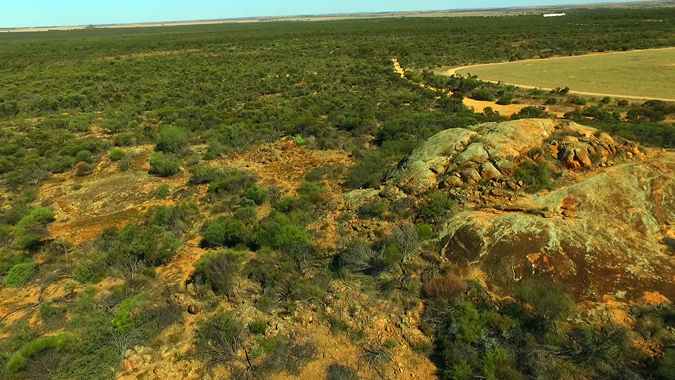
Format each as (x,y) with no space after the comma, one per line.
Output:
(258,327)
(483,94)
(528,112)
(284,204)
(368,172)
(205,174)
(116,154)
(535,177)
(256,194)
(31,228)
(162,191)
(232,180)
(548,299)
(373,210)
(19,275)
(577,100)
(311,191)
(9,258)
(434,206)
(171,139)
(164,165)
(666,366)
(226,232)
(84,156)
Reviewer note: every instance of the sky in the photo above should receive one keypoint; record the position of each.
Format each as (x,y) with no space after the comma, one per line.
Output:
(34,13)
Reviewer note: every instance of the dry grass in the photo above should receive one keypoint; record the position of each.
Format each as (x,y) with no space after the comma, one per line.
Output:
(446,287)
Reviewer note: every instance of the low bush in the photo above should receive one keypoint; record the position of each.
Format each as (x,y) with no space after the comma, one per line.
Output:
(218,269)
(116,154)
(535,177)
(424,231)
(19,275)
(164,165)
(256,194)
(162,191)
(406,239)
(171,139)
(548,299)
(225,232)
(33,227)
(373,210)
(434,206)
(30,349)
(219,338)
(205,174)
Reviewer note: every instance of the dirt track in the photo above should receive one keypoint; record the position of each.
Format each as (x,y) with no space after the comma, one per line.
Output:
(477,105)
(454,70)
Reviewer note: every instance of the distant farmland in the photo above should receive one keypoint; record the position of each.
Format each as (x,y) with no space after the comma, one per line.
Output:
(646,73)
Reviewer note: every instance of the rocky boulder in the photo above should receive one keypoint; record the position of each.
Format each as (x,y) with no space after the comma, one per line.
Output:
(604,235)
(492,151)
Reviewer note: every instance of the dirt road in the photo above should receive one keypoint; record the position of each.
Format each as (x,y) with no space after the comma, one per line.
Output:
(477,105)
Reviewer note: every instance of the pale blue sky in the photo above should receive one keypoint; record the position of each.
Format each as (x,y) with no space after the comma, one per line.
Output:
(22,13)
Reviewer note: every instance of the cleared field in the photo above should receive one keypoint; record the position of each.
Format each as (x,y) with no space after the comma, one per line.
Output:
(641,74)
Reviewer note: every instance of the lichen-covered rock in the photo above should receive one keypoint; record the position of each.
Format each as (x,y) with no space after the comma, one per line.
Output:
(493,151)
(356,198)
(600,236)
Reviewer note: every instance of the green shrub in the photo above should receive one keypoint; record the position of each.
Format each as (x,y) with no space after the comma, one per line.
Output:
(171,139)
(164,165)
(32,228)
(30,349)
(225,232)
(548,299)
(424,231)
(258,327)
(84,156)
(219,338)
(435,206)
(577,100)
(19,275)
(535,177)
(483,94)
(528,112)
(123,321)
(505,100)
(285,204)
(311,191)
(10,258)
(124,139)
(116,154)
(666,366)
(217,269)
(606,100)
(162,191)
(551,101)
(256,194)
(204,174)
(373,210)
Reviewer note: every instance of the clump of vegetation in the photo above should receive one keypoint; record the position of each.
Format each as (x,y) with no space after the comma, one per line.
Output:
(434,206)
(19,275)
(116,154)
(32,228)
(162,191)
(218,269)
(164,165)
(535,177)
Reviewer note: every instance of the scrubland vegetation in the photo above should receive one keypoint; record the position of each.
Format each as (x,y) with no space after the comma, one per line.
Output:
(72,100)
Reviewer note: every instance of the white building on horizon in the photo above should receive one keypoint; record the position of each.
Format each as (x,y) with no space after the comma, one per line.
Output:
(554,15)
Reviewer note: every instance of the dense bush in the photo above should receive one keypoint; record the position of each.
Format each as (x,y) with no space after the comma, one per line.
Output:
(116,154)
(33,227)
(217,269)
(535,177)
(171,139)
(434,206)
(19,275)
(164,165)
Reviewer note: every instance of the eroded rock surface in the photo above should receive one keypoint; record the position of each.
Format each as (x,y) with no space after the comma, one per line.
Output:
(601,236)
